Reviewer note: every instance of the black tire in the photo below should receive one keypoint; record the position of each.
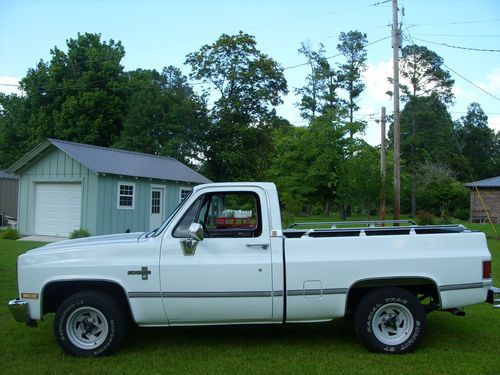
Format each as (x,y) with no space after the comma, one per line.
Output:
(390,320)
(89,324)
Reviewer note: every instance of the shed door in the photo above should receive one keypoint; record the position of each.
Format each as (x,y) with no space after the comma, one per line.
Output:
(156,208)
(57,208)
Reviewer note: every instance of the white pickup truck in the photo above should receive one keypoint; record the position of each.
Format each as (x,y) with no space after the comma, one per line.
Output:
(223,258)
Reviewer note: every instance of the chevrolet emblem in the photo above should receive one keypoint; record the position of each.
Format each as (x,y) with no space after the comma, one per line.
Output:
(144,272)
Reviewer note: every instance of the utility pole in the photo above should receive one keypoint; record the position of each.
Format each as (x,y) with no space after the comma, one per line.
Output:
(396,44)
(382,165)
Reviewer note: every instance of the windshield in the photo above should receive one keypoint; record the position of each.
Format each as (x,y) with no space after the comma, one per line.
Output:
(167,221)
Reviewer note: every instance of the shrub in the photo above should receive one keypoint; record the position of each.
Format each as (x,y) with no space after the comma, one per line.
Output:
(10,234)
(425,218)
(461,213)
(79,233)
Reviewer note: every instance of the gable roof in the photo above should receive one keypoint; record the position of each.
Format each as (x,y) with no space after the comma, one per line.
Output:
(117,162)
(493,182)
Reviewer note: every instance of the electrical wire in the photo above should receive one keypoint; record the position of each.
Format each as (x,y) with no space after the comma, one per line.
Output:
(472,83)
(337,55)
(454,71)
(462,35)
(458,47)
(455,23)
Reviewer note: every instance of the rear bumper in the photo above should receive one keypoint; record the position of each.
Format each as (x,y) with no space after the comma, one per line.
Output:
(20,311)
(494,297)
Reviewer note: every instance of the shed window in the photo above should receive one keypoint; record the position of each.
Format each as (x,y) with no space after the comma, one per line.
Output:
(184,193)
(126,195)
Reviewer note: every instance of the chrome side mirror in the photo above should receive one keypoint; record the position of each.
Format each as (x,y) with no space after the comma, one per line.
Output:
(195,234)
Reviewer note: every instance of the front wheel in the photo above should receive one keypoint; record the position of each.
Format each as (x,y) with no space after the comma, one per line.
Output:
(89,324)
(390,320)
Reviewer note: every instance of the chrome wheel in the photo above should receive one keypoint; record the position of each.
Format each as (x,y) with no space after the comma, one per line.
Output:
(392,324)
(87,327)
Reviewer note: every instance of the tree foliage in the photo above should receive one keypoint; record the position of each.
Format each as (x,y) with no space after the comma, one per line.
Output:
(249,84)
(165,116)
(423,71)
(353,48)
(78,95)
(478,145)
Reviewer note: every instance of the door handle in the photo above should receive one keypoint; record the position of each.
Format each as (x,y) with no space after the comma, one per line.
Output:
(262,245)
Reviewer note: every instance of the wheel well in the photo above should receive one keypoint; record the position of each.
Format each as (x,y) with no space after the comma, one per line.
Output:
(418,286)
(56,292)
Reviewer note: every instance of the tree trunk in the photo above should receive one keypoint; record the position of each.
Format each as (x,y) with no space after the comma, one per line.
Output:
(413,193)
(413,164)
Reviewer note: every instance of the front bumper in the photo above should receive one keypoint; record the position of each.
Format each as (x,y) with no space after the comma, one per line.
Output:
(494,297)
(20,311)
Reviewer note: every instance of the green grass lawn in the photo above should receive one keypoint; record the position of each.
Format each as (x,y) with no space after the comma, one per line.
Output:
(452,345)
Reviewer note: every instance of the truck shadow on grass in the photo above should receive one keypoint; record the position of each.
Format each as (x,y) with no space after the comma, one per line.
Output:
(339,332)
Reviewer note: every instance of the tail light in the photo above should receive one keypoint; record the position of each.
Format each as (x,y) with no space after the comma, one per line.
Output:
(487,269)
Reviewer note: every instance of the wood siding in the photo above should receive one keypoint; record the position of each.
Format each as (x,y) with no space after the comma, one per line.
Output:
(491,199)
(99,213)
(8,196)
(111,219)
(55,166)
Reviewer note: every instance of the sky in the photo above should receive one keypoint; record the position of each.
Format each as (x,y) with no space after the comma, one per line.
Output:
(156,34)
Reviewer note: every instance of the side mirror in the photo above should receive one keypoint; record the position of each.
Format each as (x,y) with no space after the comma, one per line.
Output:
(196,232)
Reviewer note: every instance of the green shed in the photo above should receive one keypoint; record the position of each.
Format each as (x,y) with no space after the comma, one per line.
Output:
(66,185)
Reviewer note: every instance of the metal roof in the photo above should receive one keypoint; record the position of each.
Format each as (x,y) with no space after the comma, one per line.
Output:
(7,176)
(493,182)
(117,162)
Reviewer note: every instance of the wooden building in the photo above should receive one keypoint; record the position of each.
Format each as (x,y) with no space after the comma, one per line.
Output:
(65,186)
(485,200)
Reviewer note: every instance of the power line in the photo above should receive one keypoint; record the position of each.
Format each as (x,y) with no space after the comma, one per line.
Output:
(337,55)
(472,83)
(458,47)
(462,35)
(454,71)
(455,23)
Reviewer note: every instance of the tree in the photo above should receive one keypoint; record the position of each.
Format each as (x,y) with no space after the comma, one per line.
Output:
(441,192)
(319,94)
(422,76)
(478,145)
(249,85)
(353,47)
(79,95)
(360,179)
(15,136)
(164,117)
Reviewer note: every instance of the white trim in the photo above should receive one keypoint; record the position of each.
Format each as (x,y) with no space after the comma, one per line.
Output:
(185,188)
(125,183)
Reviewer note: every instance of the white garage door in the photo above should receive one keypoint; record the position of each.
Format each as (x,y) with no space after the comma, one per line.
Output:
(57,208)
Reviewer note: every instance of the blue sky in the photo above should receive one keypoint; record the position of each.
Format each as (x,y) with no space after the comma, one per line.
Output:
(160,33)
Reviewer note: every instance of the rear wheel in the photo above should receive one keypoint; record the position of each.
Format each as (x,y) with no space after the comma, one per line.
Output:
(89,324)
(390,320)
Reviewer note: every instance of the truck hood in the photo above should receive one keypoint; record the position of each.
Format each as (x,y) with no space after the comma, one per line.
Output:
(83,243)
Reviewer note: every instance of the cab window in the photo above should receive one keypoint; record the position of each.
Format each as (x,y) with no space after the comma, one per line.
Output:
(229,215)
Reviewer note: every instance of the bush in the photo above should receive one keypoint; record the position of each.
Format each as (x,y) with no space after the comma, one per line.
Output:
(79,233)
(425,218)
(10,234)
(461,213)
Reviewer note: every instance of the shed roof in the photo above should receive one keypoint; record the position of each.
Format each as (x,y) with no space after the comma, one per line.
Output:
(7,176)
(493,182)
(117,162)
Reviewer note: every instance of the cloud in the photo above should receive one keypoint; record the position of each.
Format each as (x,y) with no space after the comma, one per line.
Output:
(492,84)
(375,78)
(9,85)
(494,123)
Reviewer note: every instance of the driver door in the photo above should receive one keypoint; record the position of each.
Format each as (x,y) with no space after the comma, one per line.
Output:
(228,279)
